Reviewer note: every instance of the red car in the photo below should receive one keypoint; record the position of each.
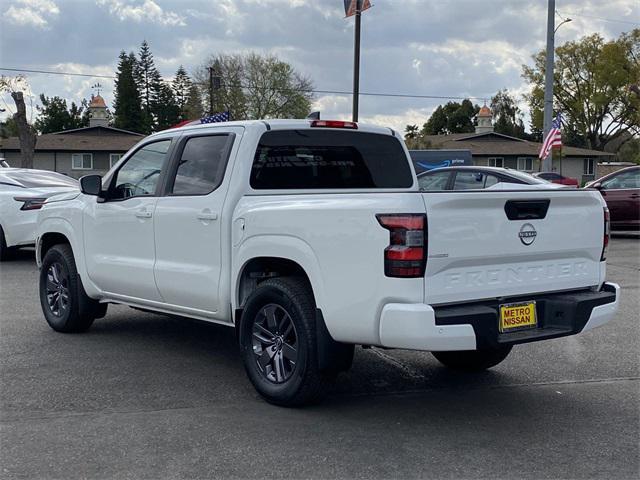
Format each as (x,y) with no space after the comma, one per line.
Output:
(621,191)
(557,178)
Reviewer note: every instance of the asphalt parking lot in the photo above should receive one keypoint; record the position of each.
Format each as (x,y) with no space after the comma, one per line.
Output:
(147,396)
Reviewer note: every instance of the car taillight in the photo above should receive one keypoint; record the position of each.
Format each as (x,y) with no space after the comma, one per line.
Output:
(334,124)
(30,203)
(406,255)
(607,232)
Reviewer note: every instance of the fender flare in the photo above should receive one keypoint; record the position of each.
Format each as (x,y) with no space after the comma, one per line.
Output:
(286,247)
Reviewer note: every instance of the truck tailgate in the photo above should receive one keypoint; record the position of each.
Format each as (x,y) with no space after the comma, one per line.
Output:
(475,251)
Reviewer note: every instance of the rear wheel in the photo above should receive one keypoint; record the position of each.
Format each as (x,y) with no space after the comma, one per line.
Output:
(65,304)
(278,343)
(5,252)
(473,360)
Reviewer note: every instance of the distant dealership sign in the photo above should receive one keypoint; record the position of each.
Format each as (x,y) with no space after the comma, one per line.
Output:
(424,160)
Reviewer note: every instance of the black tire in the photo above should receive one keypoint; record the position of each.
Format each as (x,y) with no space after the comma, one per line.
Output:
(65,304)
(473,360)
(298,384)
(5,252)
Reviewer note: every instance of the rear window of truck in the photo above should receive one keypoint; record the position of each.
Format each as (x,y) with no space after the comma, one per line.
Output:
(316,159)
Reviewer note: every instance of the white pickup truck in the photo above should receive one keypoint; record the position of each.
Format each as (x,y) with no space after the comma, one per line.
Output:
(311,236)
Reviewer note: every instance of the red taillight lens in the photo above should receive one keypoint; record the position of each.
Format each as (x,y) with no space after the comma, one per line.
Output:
(334,124)
(607,232)
(30,203)
(406,255)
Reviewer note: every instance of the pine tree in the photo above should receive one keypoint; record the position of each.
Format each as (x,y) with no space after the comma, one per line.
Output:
(181,87)
(127,105)
(166,109)
(193,108)
(148,80)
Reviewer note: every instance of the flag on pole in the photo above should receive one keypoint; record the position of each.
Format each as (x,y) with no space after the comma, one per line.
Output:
(553,139)
(351,6)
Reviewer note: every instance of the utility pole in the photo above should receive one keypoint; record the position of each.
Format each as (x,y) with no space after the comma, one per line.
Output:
(211,89)
(356,63)
(547,163)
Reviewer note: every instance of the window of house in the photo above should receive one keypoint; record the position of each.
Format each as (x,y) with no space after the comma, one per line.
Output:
(202,164)
(82,161)
(589,166)
(114,158)
(525,164)
(496,162)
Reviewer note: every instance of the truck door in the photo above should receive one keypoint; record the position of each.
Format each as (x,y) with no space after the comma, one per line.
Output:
(118,232)
(189,222)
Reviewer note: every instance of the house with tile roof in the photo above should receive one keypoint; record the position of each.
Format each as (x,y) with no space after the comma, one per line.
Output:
(78,152)
(494,149)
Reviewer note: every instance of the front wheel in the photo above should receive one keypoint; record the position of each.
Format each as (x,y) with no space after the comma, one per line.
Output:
(66,306)
(278,343)
(473,360)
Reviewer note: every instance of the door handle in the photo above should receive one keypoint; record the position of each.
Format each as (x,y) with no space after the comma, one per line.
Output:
(207,216)
(143,214)
(634,195)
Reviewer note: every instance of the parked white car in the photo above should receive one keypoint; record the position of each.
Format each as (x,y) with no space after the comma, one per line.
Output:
(310,236)
(22,194)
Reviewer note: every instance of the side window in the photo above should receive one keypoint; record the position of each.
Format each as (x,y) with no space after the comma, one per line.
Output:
(139,176)
(469,181)
(490,181)
(623,181)
(434,181)
(202,164)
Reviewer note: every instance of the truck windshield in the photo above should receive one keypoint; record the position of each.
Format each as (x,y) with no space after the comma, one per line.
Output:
(332,159)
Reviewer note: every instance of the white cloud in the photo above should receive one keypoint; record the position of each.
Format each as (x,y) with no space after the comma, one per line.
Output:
(34,13)
(147,11)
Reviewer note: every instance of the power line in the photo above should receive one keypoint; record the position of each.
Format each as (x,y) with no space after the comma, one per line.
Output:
(334,92)
(613,20)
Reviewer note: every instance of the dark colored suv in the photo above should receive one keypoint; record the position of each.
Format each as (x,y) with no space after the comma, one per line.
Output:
(621,191)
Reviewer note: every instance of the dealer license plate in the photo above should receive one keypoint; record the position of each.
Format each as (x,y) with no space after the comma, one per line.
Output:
(518,316)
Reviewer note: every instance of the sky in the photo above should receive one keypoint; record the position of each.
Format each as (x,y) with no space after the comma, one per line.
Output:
(455,48)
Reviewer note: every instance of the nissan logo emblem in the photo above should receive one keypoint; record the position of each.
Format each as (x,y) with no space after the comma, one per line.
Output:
(527,234)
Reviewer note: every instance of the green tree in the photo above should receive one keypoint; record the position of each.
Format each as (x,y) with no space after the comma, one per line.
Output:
(8,128)
(411,132)
(592,79)
(507,117)
(55,116)
(167,111)
(453,117)
(127,104)
(256,86)
(181,87)
(193,108)
(149,83)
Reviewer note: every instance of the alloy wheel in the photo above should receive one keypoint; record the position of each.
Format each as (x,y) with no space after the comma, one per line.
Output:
(275,343)
(57,289)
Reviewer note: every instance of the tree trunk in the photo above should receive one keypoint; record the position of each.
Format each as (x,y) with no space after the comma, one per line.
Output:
(26,134)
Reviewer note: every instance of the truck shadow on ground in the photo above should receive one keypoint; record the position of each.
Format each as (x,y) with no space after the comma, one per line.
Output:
(212,350)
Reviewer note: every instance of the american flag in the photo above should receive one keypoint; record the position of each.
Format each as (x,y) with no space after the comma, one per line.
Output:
(554,138)
(215,118)
(351,6)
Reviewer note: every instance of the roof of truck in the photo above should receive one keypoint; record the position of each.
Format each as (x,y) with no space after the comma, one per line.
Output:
(279,124)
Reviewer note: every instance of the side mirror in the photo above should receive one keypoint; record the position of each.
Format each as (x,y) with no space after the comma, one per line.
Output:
(91,185)
(596,185)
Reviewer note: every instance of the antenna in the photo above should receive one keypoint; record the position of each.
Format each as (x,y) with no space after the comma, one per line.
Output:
(97,88)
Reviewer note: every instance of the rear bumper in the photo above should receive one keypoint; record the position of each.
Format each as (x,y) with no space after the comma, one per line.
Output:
(475,325)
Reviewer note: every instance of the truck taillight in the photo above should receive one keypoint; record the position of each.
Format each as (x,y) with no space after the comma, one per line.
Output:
(30,203)
(406,255)
(607,232)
